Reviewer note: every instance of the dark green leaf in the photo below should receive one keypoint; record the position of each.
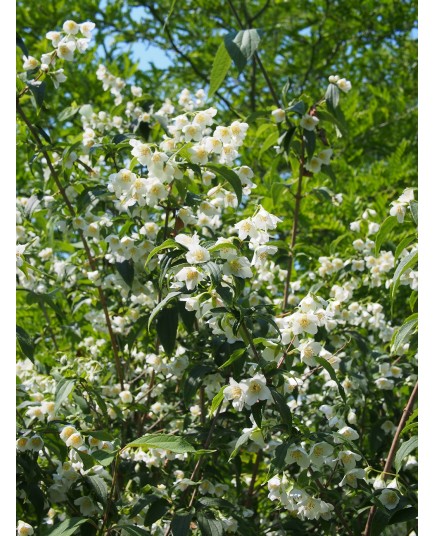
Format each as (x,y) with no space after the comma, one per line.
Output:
(282,408)
(241,46)
(38,92)
(132,530)
(156,511)
(167,328)
(332,373)
(21,44)
(220,67)
(99,487)
(208,525)
(162,304)
(26,343)
(169,243)
(126,270)
(310,141)
(217,400)
(180,525)
(406,263)
(257,412)
(193,381)
(406,514)
(230,176)
(233,357)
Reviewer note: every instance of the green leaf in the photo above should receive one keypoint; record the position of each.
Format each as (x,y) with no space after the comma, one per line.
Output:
(63,389)
(282,407)
(403,244)
(279,460)
(332,373)
(230,176)
(214,502)
(21,44)
(180,525)
(167,328)
(103,457)
(270,141)
(69,526)
(414,211)
(88,460)
(38,93)
(310,140)
(156,511)
(217,400)
(332,96)
(257,412)
(384,232)
(240,442)
(169,243)
(208,525)
(401,334)
(126,270)
(379,522)
(67,113)
(220,67)
(214,271)
(406,514)
(406,263)
(26,343)
(99,487)
(132,530)
(175,444)
(242,46)
(194,379)
(234,357)
(161,305)
(404,450)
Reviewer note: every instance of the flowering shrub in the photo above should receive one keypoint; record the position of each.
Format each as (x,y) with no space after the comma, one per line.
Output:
(195,355)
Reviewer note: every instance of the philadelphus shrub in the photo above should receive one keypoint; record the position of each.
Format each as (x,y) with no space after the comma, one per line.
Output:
(191,384)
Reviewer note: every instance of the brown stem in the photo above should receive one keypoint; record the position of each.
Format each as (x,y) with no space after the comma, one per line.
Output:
(110,497)
(49,328)
(294,227)
(205,446)
(254,476)
(90,257)
(391,456)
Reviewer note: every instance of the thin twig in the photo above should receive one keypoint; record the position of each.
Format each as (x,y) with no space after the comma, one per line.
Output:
(294,227)
(391,456)
(90,257)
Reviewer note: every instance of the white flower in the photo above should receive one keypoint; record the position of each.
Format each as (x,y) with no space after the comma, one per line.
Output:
(314,165)
(191,276)
(70,27)
(75,440)
(197,254)
(54,37)
(319,452)
(86,28)
(344,85)
(309,122)
(24,529)
(350,478)
(65,50)
(384,383)
(236,392)
(348,459)
(257,389)
(87,507)
(23,444)
(58,77)
(398,210)
(325,156)
(304,323)
(297,455)
(279,115)
(30,63)
(347,433)
(389,498)
(126,397)
(264,220)
(237,266)
(66,432)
